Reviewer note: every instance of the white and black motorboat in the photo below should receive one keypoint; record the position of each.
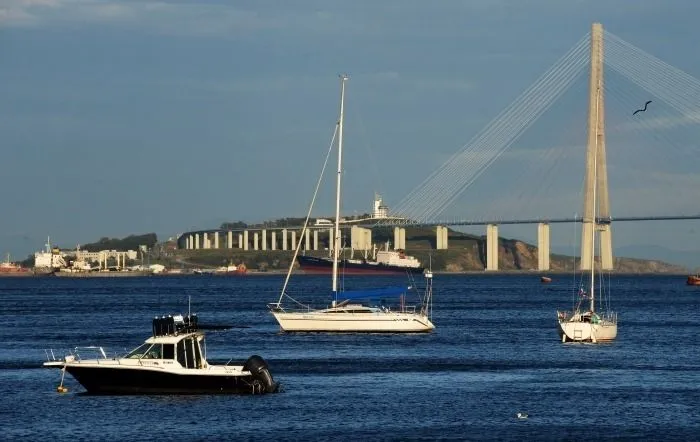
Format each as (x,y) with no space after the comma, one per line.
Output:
(171,361)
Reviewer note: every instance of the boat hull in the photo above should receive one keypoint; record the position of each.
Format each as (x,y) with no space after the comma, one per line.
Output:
(324,266)
(113,380)
(579,331)
(693,280)
(354,322)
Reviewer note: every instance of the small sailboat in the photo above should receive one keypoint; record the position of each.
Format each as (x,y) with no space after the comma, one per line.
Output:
(354,311)
(589,324)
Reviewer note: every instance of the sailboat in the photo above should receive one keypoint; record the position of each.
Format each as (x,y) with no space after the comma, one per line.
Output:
(588,324)
(353,311)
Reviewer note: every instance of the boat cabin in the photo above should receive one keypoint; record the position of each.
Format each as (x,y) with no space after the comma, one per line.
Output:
(175,338)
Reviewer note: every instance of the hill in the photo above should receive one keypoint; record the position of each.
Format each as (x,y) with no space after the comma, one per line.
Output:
(466,253)
(131,242)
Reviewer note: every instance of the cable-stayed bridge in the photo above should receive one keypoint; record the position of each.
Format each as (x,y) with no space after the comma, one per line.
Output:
(554,176)
(675,98)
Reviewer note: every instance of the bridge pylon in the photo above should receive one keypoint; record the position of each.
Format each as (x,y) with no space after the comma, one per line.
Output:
(596,185)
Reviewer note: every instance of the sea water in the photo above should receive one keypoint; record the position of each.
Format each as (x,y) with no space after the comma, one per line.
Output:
(495,352)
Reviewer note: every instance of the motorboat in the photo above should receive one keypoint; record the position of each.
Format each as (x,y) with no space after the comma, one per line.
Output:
(172,361)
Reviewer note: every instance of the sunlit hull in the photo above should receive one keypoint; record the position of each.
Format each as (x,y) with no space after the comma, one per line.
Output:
(380,322)
(580,331)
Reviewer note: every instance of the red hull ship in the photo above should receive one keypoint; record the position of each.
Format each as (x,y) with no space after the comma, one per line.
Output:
(8,268)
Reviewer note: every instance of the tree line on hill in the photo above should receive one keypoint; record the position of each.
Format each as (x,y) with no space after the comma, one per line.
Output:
(131,242)
(281,222)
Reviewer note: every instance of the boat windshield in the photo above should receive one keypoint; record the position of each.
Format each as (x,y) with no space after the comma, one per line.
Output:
(139,352)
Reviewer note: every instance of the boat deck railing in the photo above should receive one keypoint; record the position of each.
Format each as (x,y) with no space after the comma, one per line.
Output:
(96,353)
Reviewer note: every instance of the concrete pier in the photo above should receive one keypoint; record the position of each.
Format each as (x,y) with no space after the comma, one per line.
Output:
(492,247)
(441,237)
(543,246)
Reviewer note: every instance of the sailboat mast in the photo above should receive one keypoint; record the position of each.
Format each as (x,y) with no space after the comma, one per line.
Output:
(595,202)
(336,239)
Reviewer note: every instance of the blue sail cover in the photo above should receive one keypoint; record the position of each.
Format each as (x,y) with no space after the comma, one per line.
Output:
(373,293)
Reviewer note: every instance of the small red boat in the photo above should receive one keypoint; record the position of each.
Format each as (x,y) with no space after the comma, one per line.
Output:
(545,279)
(693,280)
(8,267)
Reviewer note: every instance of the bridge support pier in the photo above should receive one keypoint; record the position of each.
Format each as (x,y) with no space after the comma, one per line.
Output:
(255,240)
(441,238)
(229,239)
(245,240)
(284,239)
(606,256)
(399,238)
(315,245)
(216,240)
(307,240)
(543,246)
(360,238)
(273,240)
(492,247)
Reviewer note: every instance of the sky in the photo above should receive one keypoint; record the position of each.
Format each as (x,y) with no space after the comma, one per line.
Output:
(128,117)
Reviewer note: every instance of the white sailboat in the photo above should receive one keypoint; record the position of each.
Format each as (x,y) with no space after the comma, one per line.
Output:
(581,324)
(346,313)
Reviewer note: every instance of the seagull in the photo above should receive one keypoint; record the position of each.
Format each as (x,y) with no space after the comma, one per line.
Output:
(521,415)
(642,110)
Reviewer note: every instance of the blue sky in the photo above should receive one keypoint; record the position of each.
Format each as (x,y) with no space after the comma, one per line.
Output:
(121,117)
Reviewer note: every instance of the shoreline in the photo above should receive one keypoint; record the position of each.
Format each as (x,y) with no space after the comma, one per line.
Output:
(534,273)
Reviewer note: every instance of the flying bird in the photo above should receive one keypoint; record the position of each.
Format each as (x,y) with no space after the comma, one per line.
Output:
(642,110)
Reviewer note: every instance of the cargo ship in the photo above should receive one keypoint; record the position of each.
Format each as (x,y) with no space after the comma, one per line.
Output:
(49,261)
(387,262)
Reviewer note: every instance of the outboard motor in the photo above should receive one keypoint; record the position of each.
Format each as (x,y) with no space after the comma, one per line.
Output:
(258,370)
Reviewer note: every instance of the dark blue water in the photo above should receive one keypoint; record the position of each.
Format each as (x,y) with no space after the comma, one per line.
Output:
(495,352)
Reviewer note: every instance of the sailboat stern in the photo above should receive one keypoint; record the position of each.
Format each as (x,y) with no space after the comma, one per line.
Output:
(587,327)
